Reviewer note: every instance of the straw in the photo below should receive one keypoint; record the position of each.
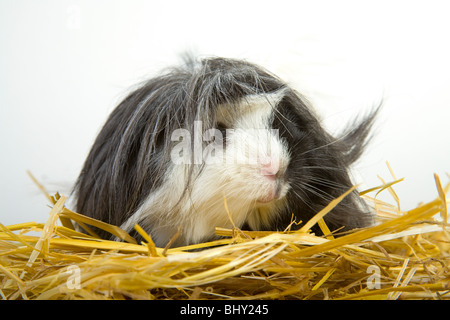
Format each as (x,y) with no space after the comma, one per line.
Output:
(405,255)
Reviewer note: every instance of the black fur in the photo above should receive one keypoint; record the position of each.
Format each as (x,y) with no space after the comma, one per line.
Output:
(319,167)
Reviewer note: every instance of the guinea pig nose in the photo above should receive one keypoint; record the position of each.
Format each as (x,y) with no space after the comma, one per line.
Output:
(269,169)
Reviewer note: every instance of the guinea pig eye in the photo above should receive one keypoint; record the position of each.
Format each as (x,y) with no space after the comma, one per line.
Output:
(222,128)
(219,134)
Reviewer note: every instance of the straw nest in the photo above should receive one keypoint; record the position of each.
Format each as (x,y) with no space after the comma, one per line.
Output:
(404,256)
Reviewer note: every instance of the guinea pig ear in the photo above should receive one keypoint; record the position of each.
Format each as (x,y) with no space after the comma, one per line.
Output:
(357,136)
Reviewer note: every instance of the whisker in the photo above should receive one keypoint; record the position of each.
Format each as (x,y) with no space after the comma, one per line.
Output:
(316,191)
(328,183)
(325,145)
(323,168)
(307,202)
(306,135)
(276,114)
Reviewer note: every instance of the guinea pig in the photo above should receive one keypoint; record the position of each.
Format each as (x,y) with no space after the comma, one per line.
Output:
(218,132)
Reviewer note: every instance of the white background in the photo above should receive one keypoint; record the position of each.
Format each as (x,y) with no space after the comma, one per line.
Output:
(64,65)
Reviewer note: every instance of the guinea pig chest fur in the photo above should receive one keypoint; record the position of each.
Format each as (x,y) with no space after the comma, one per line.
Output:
(214,131)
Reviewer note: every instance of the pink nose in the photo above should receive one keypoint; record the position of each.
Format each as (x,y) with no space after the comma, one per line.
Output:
(269,168)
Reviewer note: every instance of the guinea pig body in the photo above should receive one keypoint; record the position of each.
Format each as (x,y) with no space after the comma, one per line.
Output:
(221,130)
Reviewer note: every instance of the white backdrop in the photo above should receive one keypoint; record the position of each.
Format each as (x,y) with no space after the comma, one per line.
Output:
(65,64)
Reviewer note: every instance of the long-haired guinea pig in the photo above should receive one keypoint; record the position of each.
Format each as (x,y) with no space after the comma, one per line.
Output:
(214,131)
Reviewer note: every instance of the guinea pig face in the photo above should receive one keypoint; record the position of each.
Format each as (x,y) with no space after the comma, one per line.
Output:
(255,157)
(244,164)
